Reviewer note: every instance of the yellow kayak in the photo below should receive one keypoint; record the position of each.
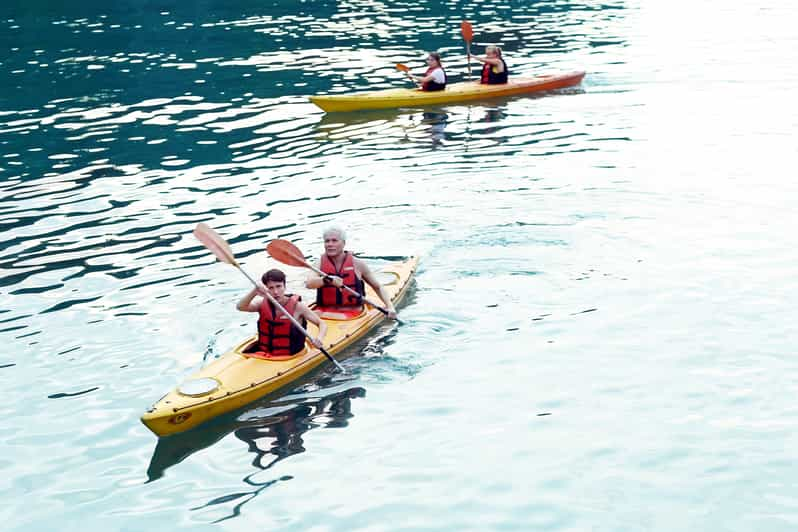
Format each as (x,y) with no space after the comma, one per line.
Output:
(455,92)
(235,379)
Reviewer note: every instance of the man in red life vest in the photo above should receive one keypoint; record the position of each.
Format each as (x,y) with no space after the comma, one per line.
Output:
(342,268)
(277,336)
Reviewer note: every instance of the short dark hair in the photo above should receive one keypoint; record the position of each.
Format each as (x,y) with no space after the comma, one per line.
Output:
(275,276)
(436,56)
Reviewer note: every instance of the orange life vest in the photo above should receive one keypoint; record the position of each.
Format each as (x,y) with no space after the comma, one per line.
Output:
(276,335)
(329,295)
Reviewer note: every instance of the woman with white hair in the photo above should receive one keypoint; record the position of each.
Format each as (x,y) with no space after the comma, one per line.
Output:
(341,268)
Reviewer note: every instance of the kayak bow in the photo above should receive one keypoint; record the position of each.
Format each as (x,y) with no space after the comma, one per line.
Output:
(455,92)
(235,378)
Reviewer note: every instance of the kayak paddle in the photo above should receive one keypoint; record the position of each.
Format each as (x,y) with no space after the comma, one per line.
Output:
(219,247)
(406,70)
(287,253)
(468,35)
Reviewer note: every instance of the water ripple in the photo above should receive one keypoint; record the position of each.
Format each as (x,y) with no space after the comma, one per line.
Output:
(570,243)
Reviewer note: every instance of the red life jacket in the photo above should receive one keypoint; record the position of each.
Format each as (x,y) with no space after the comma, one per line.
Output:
(329,295)
(489,77)
(433,85)
(276,335)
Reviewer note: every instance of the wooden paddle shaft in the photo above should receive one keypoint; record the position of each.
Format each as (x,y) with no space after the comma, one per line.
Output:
(468,51)
(290,317)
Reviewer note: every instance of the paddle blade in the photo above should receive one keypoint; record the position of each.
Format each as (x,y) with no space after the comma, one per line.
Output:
(286,252)
(467,30)
(403,68)
(218,245)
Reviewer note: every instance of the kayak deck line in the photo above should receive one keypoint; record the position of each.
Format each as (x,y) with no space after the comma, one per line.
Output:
(240,351)
(453,93)
(235,379)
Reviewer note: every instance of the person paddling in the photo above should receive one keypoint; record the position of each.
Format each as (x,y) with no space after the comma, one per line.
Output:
(434,79)
(277,337)
(494,69)
(341,269)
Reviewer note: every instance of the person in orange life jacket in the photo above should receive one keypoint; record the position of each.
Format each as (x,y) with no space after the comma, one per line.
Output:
(494,69)
(276,334)
(342,268)
(434,79)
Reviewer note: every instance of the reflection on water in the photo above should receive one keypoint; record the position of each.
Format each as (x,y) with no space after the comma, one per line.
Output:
(404,126)
(286,428)
(272,430)
(276,437)
(494,115)
(436,125)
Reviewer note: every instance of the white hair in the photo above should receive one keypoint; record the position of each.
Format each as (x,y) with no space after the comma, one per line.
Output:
(335,230)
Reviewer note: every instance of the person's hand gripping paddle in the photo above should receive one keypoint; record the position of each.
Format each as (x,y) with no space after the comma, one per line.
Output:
(406,70)
(287,253)
(219,247)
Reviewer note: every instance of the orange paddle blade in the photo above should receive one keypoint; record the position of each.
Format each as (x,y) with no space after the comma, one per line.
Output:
(286,252)
(218,245)
(467,30)
(403,68)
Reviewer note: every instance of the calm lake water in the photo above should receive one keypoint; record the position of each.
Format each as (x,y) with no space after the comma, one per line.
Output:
(602,331)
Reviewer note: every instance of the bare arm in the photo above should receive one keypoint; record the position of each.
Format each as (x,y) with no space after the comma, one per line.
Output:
(495,61)
(367,275)
(312,317)
(314,281)
(413,78)
(249,303)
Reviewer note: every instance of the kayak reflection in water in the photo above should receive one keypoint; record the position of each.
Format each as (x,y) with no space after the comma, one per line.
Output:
(342,270)
(494,69)
(277,336)
(279,437)
(437,125)
(434,79)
